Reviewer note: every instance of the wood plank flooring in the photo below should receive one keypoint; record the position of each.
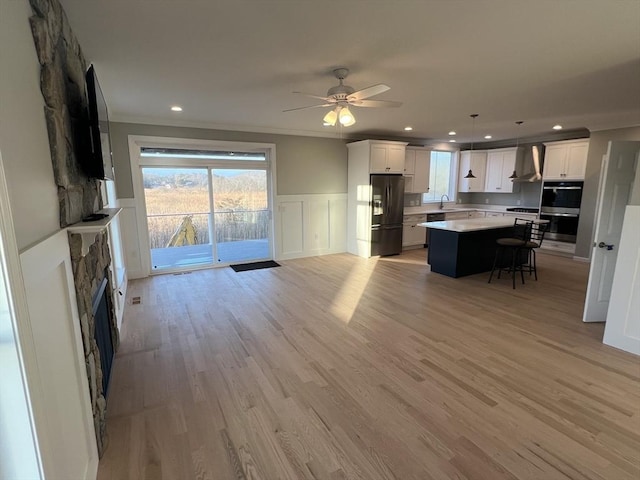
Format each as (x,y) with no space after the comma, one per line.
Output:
(338,367)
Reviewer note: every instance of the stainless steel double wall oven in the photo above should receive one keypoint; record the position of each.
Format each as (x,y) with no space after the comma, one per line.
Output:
(560,205)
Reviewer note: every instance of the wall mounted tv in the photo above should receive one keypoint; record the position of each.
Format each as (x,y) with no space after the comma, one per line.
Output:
(99,162)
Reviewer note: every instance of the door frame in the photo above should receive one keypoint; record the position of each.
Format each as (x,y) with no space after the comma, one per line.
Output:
(31,439)
(137,142)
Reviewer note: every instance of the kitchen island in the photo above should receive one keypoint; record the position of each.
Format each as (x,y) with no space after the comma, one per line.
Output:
(465,247)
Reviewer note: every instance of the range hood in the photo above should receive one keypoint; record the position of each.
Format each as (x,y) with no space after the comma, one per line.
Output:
(536,175)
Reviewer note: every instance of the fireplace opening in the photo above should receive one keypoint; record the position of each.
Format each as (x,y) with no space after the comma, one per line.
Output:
(102,334)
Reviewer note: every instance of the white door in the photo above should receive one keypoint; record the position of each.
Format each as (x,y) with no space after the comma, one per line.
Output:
(618,172)
(623,323)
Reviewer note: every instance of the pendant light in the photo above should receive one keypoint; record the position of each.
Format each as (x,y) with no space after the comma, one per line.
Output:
(519,122)
(473,123)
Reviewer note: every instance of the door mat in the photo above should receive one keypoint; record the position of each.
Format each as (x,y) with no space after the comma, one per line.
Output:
(243,267)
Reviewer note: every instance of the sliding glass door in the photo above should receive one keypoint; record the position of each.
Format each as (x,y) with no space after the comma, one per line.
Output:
(241,215)
(205,208)
(178,216)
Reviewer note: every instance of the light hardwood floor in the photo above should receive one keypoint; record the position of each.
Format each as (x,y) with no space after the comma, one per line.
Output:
(339,367)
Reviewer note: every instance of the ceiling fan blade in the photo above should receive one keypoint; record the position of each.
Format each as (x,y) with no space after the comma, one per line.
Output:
(374,103)
(369,92)
(326,99)
(310,106)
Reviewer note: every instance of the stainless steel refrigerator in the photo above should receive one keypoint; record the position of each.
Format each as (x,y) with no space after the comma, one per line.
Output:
(386,214)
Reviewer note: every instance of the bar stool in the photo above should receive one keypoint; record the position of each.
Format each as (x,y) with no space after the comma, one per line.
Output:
(515,246)
(535,241)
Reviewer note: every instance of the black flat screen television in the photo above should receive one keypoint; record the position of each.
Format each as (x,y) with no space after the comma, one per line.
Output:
(100,163)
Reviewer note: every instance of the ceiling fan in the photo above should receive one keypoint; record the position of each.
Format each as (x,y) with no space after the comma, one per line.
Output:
(342,96)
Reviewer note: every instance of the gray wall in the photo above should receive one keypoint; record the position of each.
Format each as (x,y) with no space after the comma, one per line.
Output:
(598,144)
(528,196)
(305,165)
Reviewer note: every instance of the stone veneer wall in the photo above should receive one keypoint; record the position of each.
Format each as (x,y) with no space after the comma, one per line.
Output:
(89,269)
(62,81)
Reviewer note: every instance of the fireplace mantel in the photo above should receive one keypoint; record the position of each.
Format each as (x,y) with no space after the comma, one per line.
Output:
(89,230)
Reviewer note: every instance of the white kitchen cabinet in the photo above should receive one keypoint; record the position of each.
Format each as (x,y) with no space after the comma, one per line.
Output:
(409,161)
(477,214)
(475,161)
(386,157)
(412,234)
(565,160)
(416,170)
(501,163)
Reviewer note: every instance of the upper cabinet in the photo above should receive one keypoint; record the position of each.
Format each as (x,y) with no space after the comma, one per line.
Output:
(386,157)
(565,160)
(501,163)
(417,162)
(475,161)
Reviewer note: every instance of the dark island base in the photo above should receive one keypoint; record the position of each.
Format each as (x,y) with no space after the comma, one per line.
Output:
(458,254)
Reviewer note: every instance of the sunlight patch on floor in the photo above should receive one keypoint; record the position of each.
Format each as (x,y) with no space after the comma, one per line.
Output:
(348,298)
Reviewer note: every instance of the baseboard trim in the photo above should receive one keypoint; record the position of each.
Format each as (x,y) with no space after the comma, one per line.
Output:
(582,259)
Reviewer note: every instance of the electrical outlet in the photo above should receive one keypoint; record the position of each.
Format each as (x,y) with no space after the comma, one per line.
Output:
(518,202)
(486,200)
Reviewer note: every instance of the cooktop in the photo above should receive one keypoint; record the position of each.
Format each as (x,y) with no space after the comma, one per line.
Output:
(523,210)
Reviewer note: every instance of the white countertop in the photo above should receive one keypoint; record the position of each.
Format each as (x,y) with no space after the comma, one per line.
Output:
(460,208)
(473,224)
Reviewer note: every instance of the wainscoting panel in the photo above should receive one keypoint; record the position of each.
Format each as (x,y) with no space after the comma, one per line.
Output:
(319,227)
(130,239)
(291,234)
(309,225)
(66,438)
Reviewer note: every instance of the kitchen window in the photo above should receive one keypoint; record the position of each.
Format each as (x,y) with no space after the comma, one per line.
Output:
(442,177)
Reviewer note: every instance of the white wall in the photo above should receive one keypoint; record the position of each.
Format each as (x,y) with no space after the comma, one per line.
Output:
(24,141)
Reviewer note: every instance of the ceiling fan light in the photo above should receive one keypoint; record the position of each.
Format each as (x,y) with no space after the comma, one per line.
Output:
(346,117)
(331,117)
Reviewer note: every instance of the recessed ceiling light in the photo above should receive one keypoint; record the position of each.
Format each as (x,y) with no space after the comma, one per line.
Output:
(557,127)
(176,108)
(452,132)
(408,129)
(452,141)
(488,137)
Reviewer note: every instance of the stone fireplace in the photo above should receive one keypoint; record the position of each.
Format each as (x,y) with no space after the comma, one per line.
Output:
(62,82)
(90,260)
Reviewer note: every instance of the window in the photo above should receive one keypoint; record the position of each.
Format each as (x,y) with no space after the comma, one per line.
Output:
(442,177)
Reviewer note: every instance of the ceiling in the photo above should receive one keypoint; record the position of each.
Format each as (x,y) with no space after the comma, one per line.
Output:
(233,64)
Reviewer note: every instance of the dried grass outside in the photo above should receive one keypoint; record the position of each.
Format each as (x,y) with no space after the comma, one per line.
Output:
(240,215)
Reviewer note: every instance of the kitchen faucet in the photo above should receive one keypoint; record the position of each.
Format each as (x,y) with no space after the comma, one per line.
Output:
(441,200)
